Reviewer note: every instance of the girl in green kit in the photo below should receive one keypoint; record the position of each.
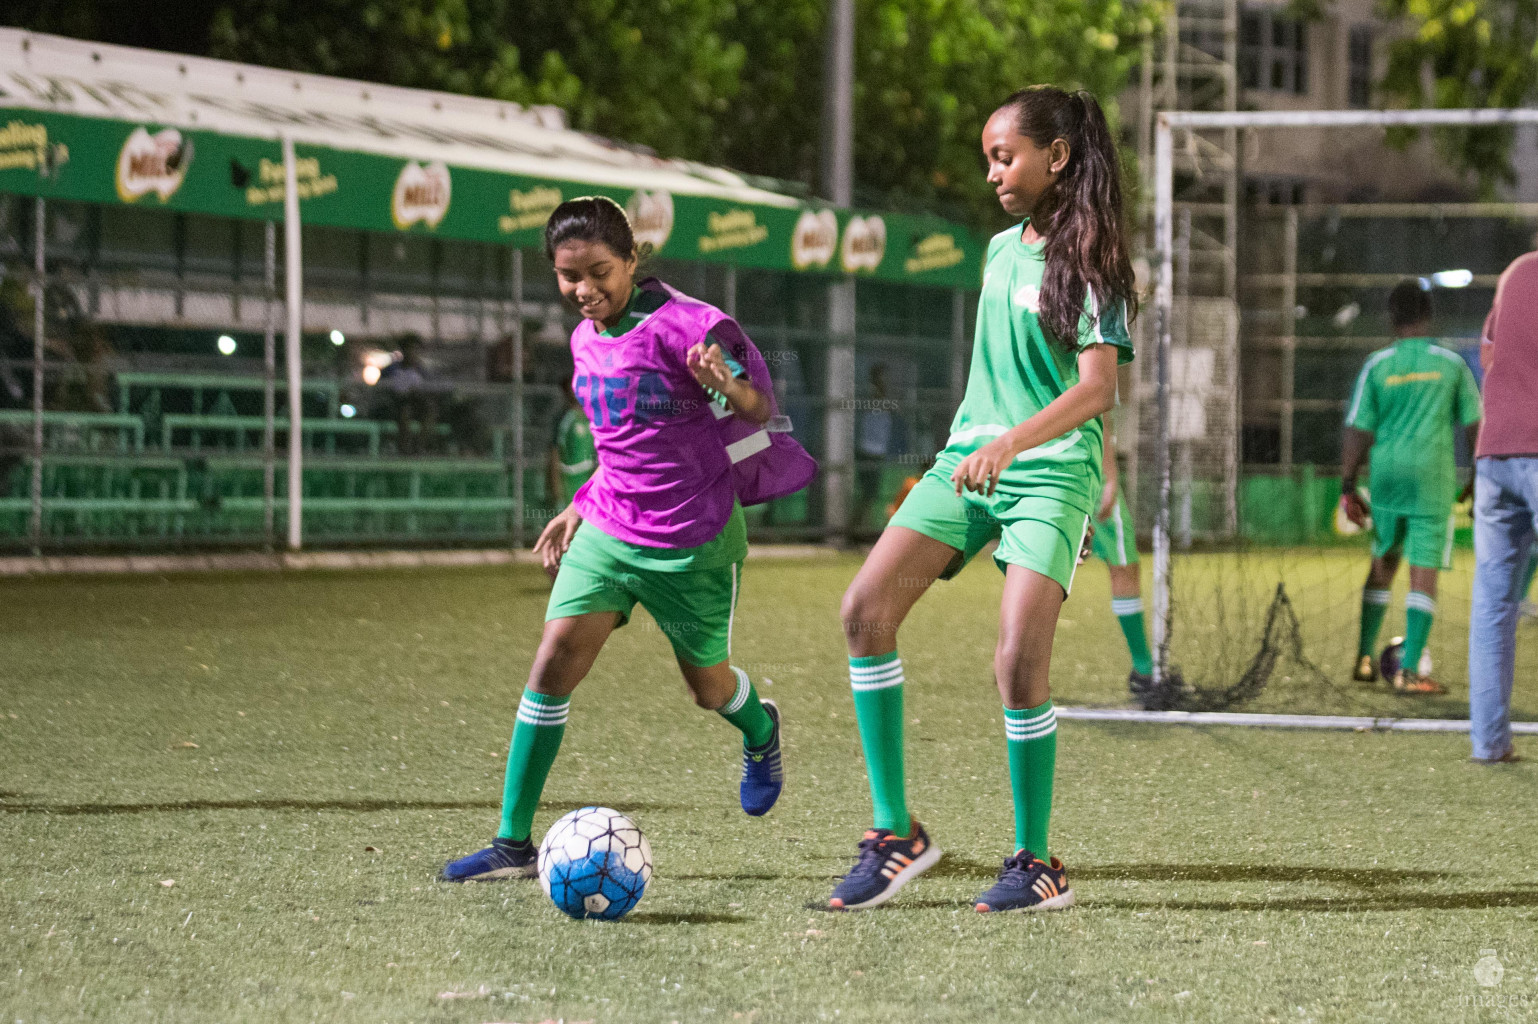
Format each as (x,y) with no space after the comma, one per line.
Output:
(1022,466)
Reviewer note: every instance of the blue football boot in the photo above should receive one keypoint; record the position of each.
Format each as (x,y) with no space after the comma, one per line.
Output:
(762,774)
(504,858)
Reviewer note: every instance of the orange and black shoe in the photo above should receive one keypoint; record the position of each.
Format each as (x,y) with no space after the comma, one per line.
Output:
(1413,685)
(887,863)
(1027,883)
(1366,670)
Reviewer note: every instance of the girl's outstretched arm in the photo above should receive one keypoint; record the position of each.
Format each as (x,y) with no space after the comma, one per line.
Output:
(1094,395)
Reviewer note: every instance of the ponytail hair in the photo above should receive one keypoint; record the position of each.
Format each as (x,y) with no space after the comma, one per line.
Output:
(1086,240)
(591,219)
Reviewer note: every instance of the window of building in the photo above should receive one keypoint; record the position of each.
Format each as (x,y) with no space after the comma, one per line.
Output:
(1273,52)
(1359,58)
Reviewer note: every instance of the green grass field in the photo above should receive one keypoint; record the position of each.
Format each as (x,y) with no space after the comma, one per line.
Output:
(300,752)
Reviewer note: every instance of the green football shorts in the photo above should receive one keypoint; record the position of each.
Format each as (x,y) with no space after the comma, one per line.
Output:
(1426,540)
(692,607)
(1115,540)
(1040,533)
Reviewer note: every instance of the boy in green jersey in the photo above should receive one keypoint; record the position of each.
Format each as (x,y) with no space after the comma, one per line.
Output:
(572,455)
(1406,400)
(1115,543)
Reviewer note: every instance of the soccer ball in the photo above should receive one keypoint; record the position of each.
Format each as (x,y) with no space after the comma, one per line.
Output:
(1389,661)
(595,862)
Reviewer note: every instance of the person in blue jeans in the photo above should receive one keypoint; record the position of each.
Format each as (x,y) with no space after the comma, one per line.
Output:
(1505,505)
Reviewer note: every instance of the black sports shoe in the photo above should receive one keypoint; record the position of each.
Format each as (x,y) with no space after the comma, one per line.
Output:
(763,776)
(1027,883)
(1138,684)
(886,864)
(504,858)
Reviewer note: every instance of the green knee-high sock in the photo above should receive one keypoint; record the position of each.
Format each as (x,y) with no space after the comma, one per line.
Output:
(1419,610)
(1532,569)
(536,739)
(1031,735)
(1129,612)
(877,683)
(1374,607)
(746,712)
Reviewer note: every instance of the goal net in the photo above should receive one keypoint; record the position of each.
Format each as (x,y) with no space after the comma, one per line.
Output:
(1277,238)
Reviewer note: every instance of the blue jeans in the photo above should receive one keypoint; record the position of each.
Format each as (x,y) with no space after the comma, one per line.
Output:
(1505,518)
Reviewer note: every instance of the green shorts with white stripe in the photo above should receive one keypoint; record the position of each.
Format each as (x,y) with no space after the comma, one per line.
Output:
(1426,540)
(1036,531)
(692,607)
(1115,540)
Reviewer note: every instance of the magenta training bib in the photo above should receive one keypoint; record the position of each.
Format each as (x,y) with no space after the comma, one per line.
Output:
(671,461)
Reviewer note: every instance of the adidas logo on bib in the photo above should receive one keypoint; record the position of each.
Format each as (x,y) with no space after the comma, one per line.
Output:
(1029,296)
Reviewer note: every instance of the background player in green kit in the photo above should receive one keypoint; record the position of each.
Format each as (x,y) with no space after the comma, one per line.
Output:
(1406,400)
(572,455)
(1022,466)
(1115,544)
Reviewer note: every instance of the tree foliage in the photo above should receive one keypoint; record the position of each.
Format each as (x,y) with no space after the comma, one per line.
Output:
(734,82)
(1466,53)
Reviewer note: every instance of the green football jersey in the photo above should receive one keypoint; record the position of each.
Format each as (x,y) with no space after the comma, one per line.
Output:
(1409,396)
(574,451)
(1018,369)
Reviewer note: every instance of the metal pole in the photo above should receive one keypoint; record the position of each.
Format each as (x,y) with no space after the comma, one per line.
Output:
(838,416)
(838,105)
(517,337)
(269,387)
(729,289)
(1164,293)
(1345,118)
(294,281)
(958,346)
(1289,327)
(838,188)
(39,302)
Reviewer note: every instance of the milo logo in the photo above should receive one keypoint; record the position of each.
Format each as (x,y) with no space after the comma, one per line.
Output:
(864,244)
(651,218)
(815,238)
(421,194)
(152,163)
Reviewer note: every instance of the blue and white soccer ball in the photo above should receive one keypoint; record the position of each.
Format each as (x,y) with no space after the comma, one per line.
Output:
(1393,654)
(595,862)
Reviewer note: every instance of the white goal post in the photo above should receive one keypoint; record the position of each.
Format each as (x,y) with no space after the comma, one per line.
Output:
(1166,124)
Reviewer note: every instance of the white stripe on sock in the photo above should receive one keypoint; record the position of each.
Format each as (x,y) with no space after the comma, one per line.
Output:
(867,687)
(543,714)
(872,671)
(1126,606)
(1030,728)
(739,697)
(1421,602)
(885,676)
(1375,597)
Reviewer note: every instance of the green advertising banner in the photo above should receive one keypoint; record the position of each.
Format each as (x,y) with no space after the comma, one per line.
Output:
(100,160)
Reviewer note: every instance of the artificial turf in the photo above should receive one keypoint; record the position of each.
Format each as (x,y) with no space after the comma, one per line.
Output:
(298,753)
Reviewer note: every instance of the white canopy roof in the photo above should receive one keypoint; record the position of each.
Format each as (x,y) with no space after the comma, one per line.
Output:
(52,73)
